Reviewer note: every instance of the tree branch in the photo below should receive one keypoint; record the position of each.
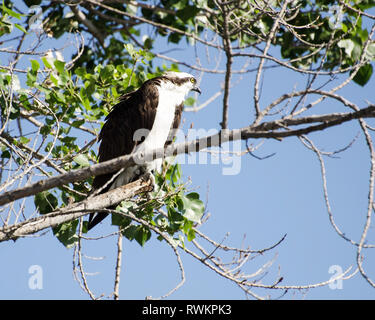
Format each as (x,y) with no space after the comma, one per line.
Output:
(215,140)
(98,34)
(75,210)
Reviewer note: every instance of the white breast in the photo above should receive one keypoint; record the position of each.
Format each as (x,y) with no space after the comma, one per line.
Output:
(169,99)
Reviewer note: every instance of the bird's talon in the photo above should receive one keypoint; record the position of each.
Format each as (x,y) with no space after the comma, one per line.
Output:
(148,176)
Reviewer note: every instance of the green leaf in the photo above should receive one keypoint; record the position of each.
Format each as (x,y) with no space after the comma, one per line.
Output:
(11,12)
(18,26)
(114,92)
(193,196)
(59,96)
(78,123)
(30,78)
(107,72)
(60,66)
(121,221)
(46,63)
(347,45)
(82,160)
(161,221)
(130,49)
(189,101)
(173,173)
(370,53)
(187,226)
(193,207)
(85,226)
(187,12)
(35,65)
(45,130)
(191,235)
(45,202)
(5,154)
(81,72)
(357,51)
(142,235)
(24,140)
(149,56)
(54,80)
(130,232)
(66,233)
(363,75)
(6,27)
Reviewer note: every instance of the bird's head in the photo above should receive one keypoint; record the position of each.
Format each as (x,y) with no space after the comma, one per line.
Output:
(182,81)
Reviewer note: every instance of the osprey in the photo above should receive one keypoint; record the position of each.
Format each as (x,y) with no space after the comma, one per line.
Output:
(150,113)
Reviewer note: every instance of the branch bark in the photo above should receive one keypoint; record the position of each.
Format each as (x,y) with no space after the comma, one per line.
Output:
(98,34)
(75,210)
(269,130)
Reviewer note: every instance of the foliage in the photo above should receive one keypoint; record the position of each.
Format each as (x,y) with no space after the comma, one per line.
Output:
(68,96)
(73,99)
(183,210)
(335,40)
(114,50)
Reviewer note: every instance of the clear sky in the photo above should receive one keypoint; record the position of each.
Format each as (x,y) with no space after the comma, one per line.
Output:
(267,198)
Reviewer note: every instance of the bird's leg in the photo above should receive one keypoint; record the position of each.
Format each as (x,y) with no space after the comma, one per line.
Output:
(146,175)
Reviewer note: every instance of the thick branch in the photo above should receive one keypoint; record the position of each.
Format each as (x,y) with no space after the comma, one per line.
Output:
(228,52)
(98,34)
(74,211)
(264,130)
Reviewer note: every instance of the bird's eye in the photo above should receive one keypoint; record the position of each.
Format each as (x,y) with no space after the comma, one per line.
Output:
(192,80)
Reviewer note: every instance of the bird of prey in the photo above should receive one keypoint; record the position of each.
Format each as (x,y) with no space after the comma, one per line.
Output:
(154,110)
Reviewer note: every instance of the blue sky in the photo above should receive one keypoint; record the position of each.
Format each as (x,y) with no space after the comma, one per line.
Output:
(267,199)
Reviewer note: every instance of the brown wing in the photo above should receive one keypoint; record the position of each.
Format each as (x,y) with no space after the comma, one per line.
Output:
(137,110)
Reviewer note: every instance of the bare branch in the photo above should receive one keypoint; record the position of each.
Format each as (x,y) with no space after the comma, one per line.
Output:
(116,293)
(74,211)
(261,131)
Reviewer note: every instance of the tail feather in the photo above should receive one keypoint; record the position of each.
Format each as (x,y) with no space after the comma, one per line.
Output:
(96,218)
(126,177)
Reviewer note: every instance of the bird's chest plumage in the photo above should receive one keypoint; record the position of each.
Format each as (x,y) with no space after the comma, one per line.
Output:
(165,114)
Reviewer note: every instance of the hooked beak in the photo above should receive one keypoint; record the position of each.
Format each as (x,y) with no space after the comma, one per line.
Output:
(197,89)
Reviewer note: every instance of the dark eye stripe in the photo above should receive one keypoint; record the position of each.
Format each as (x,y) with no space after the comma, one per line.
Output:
(178,81)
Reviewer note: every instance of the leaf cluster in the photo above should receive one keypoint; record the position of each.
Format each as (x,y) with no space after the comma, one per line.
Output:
(170,207)
(313,34)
